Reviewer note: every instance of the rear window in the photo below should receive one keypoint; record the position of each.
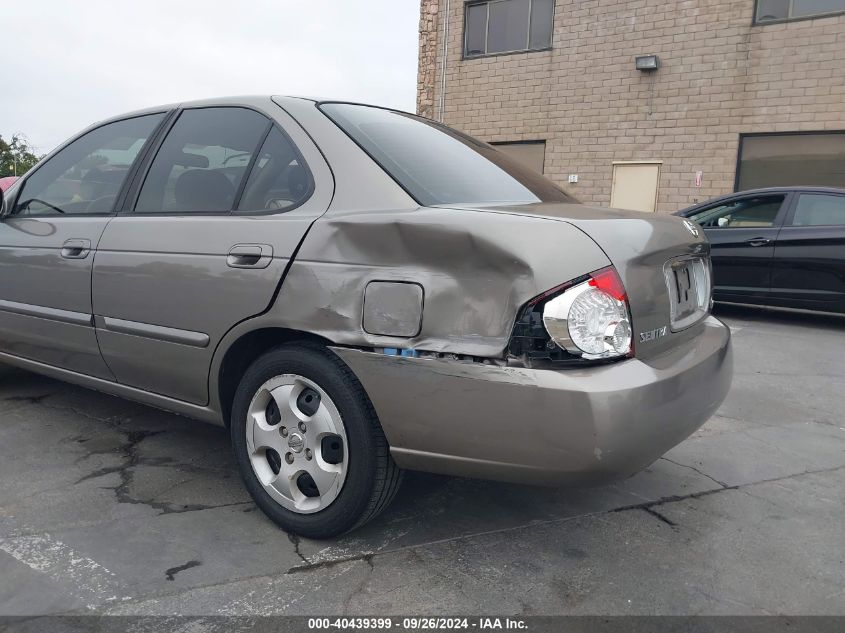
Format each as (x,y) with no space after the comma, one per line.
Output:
(437,165)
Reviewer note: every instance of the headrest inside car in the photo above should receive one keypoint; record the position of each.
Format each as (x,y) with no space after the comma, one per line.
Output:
(186,159)
(297,180)
(204,190)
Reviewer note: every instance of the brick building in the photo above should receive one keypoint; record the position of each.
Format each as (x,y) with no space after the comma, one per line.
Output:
(746,94)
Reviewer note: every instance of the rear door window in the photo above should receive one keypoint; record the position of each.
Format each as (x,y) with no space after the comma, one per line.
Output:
(819,210)
(202,163)
(280,179)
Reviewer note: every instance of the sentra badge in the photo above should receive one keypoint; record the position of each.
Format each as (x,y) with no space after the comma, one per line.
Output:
(652,335)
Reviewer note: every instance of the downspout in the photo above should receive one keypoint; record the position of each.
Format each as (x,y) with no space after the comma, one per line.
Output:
(442,104)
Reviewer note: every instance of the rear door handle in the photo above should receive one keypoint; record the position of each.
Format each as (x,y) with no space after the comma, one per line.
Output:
(758,241)
(250,256)
(76,249)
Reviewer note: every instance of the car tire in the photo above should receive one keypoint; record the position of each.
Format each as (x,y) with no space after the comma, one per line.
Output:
(367,475)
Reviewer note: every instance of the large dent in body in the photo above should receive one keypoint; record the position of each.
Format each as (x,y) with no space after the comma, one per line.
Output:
(477,269)
(638,245)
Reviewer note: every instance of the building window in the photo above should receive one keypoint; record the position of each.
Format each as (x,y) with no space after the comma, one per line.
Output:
(507,26)
(782,10)
(531,154)
(786,160)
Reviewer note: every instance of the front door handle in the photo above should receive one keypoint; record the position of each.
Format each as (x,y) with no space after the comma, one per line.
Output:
(759,241)
(76,249)
(250,256)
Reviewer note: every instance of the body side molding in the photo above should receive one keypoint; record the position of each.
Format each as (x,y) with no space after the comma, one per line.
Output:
(158,332)
(51,314)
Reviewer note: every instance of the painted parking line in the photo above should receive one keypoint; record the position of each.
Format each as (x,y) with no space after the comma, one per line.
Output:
(92,583)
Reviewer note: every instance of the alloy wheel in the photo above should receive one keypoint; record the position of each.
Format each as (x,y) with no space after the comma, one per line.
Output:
(297,443)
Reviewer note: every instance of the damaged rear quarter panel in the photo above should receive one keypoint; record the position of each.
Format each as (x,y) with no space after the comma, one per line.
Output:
(476,269)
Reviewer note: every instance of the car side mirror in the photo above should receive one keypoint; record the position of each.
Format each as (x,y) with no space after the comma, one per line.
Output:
(723,221)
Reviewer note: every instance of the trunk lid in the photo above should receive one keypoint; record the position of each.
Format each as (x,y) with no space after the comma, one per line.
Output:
(639,245)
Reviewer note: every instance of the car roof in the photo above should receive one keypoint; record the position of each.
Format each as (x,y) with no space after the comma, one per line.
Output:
(231,101)
(765,190)
(217,101)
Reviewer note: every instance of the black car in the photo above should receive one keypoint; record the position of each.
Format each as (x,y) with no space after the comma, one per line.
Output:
(782,246)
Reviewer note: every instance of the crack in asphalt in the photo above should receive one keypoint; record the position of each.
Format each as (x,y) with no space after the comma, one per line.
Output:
(295,539)
(131,458)
(650,505)
(128,452)
(647,506)
(170,574)
(700,472)
(28,399)
(370,556)
(82,414)
(660,517)
(365,581)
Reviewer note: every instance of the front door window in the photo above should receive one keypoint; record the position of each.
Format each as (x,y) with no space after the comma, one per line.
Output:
(758,212)
(85,177)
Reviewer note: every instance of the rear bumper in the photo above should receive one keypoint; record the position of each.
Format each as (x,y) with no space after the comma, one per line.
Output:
(543,426)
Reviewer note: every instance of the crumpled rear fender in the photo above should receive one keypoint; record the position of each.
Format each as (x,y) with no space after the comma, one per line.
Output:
(476,270)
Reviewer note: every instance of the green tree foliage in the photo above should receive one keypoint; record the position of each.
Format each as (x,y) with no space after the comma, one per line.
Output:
(16,156)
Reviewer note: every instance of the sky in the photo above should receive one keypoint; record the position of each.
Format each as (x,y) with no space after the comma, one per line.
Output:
(69,64)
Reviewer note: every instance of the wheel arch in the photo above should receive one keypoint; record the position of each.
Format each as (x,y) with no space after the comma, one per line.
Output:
(243,351)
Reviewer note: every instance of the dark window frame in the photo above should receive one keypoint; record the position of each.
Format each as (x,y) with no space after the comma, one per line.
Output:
(12,204)
(815,16)
(746,135)
(471,3)
(134,190)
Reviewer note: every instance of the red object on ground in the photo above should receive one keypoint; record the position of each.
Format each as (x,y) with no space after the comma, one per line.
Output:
(7,182)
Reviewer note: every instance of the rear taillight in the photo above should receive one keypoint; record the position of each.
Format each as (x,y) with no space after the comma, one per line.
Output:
(591,319)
